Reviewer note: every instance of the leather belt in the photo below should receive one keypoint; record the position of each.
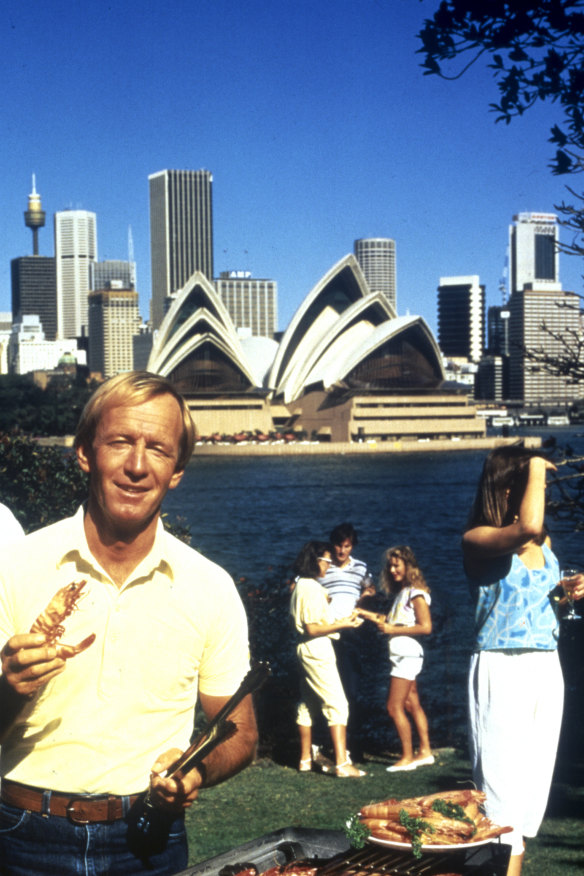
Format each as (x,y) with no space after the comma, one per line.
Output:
(78,808)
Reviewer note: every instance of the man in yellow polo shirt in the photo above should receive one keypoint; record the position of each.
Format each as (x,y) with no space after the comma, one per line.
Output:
(92,719)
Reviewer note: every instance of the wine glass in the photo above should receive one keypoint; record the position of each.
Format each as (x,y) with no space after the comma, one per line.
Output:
(568,584)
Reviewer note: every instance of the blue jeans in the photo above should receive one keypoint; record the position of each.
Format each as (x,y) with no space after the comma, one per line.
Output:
(37,845)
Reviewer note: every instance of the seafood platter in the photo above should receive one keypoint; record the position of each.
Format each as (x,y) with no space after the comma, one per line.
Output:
(438,835)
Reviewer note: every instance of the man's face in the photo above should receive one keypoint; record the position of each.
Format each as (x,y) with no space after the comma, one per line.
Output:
(132,461)
(342,551)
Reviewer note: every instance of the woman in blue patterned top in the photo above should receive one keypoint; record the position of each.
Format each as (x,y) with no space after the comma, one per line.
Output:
(515,680)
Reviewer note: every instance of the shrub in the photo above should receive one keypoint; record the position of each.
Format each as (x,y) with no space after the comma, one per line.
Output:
(39,484)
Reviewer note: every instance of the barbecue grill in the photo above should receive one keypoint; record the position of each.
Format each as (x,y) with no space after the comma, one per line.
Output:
(331,851)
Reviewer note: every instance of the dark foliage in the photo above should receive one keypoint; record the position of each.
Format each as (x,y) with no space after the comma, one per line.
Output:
(565,500)
(51,411)
(572,221)
(43,484)
(272,639)
(178,527)
(40,485)
(536,49)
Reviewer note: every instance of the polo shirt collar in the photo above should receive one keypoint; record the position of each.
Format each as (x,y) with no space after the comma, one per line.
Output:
(350,563)
(76,550)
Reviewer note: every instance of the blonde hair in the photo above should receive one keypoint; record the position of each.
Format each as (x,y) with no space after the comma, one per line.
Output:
(134,388)
(414,576)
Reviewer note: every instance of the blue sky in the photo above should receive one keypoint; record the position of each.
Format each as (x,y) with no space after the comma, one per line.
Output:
(314,117)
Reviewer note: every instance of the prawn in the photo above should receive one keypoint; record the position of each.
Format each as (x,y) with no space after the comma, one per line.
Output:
(50,621)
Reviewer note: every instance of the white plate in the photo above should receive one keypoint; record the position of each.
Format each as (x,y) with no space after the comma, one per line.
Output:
(390,844)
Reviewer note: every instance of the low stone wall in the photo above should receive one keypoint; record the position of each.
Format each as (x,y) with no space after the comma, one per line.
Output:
(297,448)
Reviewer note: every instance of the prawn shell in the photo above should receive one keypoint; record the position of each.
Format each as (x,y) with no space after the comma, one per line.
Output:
(50,621)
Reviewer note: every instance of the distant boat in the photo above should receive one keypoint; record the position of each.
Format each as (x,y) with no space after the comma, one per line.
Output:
(503,421)
(530,420)
(558,420)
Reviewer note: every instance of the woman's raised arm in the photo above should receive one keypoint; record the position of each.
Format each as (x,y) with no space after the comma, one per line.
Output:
(492,541)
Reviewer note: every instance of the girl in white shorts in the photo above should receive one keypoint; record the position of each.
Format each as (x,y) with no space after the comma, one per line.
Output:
(408,618)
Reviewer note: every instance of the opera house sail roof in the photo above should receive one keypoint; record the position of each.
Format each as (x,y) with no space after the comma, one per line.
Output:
(342,336)
(197,346)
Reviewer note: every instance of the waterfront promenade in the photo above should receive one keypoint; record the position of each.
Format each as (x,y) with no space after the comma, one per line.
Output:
(372,447)
(323,448)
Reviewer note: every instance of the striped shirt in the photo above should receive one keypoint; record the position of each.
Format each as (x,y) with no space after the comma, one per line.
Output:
(344,586)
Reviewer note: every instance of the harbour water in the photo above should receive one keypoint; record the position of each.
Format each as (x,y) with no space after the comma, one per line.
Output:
(251,515)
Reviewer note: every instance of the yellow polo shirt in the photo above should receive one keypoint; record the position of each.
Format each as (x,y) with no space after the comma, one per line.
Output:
(176,626)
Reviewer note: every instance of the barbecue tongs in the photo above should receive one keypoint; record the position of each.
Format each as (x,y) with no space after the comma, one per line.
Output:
(218,729)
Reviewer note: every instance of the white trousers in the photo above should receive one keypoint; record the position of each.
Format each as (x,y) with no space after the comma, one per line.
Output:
(320,689)
(515,715)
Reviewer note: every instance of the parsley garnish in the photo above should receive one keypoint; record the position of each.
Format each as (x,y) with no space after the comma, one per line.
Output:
(356,832)
(454,811)
(415,827)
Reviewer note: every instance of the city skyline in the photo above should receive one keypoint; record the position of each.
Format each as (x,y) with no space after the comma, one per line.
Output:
(316,122)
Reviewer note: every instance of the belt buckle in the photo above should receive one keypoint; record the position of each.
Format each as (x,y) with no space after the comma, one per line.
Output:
(71,814)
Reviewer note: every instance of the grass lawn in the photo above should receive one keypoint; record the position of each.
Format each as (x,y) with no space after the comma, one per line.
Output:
(268,796)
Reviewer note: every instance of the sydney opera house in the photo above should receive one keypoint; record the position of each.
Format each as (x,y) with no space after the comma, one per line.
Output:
(347,368)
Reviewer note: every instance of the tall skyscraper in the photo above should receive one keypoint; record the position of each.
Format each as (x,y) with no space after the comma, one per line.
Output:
(252,304)
(534,257)
(376,256)
(114,319)
(493,375)
(75,249)
(34,289)
(110,270)
(539,319)
(461,317)
(498,330)
(181,232)
(490,379)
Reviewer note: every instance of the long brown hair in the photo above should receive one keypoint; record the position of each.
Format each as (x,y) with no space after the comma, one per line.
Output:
(414,576)
(501,486)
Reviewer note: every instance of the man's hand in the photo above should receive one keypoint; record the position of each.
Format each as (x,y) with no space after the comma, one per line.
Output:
(230,756)
(28,663)
(177,793)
